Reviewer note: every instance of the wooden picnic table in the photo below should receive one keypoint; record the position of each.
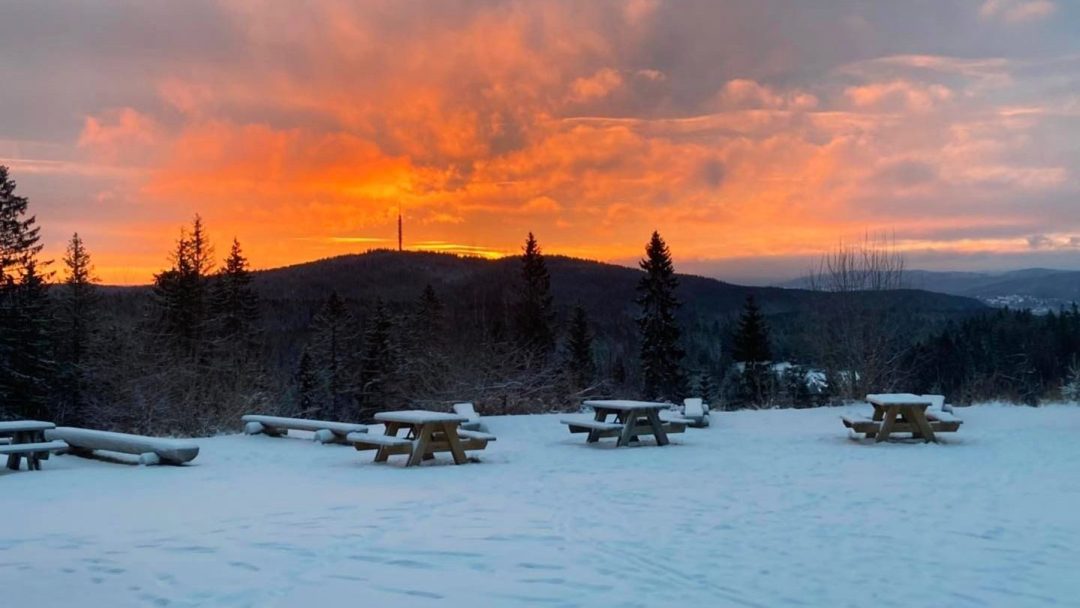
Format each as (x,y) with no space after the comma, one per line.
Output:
(24,432)
(427,433)
(631,420)
(901,413)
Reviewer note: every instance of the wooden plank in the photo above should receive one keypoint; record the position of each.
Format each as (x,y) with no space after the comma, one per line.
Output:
(887,426)
(657,428)
(450,430)
(467,434)
(917,416)
(420,447)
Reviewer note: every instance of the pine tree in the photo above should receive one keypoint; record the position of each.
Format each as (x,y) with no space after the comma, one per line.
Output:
(182,294)
(579,346)
(423,364)
(706,387)
(535,310)
(751,348)
(378,366)
(751,343)
(25,316)
(307,385)
(235,305)
(661,355)
(75,324)
(333,350)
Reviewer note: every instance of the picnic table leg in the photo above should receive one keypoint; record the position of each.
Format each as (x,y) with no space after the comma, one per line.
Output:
(450,428)
(599,415)
(382,454)
(628,420)
(420,445)
(887,426)
(918,419)
(657,427)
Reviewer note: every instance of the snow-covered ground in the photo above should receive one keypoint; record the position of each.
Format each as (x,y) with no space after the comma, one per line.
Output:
(763,509)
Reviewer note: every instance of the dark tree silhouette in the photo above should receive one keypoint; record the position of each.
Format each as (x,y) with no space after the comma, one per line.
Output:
(25,316)
(535,311)
(579,346)
(661,355)
(76,321)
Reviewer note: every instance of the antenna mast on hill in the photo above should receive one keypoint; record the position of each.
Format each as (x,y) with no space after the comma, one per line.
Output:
(399,248)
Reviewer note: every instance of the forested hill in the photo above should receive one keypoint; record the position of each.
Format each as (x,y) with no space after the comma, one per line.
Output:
(603,289)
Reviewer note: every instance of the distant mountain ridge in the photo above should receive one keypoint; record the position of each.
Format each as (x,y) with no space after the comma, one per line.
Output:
(604,289)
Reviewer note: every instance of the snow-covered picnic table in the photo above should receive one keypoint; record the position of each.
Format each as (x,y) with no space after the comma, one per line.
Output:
(426,433)
(631,420)
(28,441)
(902,413)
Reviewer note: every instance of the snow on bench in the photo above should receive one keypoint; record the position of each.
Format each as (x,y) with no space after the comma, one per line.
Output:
(467,434)
(326,431)
(150,450)
(34,453)
(375,440)
(593,425)
(29,448)
(473,423)
(861,424)
(694,413)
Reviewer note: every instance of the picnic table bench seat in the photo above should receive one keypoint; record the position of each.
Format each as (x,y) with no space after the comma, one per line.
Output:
(149,450)
(326,431)
(584,426)
(16,451)
(481,436)
(371,441)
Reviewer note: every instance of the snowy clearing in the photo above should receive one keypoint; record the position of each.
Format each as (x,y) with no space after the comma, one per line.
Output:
(762,509)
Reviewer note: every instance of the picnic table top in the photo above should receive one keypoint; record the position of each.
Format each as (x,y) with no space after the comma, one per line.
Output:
(17,426)
(900,399)
(419,417)
(622,404)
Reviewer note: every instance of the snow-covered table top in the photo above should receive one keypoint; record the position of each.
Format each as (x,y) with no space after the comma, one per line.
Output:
(419,417)
(900,399)
(626,405)
(18,426)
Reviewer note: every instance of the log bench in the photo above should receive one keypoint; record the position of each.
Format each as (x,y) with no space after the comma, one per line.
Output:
(148,450)
(34,453)
(326,431)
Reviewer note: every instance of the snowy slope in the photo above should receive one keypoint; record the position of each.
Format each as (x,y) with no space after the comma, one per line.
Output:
(763,509)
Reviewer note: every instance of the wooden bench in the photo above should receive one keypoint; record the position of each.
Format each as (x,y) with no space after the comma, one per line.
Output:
(373,441)
(603,430)
(586,426)
(325,431)
(34,453)
(149,450)
(480,436)
(942,421)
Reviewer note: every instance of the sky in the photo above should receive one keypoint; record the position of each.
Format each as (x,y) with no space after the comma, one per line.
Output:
(753,135)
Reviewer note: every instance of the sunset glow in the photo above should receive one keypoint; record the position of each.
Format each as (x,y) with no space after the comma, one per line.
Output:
(752,135)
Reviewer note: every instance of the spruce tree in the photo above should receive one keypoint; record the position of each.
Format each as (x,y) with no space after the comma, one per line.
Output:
(307,385)
(235,305)
(76,321)
(25,315)
(333,348)
(661,355)
(535,309)
(751,343)
(378,365)
(182,294)
(579,346)
(751,348)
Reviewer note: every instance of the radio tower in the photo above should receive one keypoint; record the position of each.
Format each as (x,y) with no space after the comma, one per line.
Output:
(399,248)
